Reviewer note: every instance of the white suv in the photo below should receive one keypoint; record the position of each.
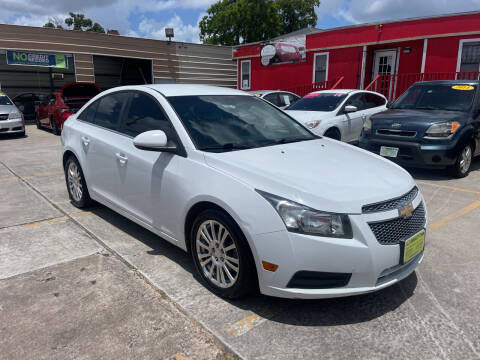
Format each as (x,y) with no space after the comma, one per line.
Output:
(255,197)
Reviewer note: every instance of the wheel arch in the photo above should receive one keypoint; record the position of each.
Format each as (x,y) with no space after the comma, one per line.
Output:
(334,128)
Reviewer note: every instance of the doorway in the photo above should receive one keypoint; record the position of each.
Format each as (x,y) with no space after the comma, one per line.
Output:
(385,63)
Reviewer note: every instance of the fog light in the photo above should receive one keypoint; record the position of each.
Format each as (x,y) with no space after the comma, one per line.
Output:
(269,266)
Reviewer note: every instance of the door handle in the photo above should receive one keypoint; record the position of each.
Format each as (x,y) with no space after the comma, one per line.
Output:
(122,159)
(85,140)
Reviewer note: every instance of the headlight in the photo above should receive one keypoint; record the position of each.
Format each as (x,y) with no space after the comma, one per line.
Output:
(442,130)
(302,219)
(14,115)
(367,125)
(312,124)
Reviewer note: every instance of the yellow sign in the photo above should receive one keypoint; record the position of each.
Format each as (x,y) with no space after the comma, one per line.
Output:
(413,246)
(462,87)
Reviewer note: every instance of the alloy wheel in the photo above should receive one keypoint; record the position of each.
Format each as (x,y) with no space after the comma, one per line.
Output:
(466,159)
(217,254)
(74,181)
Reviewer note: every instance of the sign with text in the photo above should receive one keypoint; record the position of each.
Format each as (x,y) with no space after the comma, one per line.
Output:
(36,59)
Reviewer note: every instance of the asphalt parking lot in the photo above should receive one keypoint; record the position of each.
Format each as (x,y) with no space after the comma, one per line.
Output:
(92,284)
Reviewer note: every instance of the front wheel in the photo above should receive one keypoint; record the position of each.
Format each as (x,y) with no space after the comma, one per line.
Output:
(333,133)
(76,185)
(461,168)
(221,255)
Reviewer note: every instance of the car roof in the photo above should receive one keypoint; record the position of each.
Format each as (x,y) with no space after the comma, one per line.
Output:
(189,89)
(264,92)
(449,82)
(345,91)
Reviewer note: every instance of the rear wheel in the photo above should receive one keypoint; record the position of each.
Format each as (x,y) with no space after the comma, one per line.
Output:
(333,133)
(221,255)
(461,168)
(76,185)
(54,126)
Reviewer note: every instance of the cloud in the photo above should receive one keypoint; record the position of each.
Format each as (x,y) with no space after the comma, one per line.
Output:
(183,32)
(362,11)
(176,4)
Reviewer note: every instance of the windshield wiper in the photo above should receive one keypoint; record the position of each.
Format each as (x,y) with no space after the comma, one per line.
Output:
(227,146)
(291,140)
(427,108)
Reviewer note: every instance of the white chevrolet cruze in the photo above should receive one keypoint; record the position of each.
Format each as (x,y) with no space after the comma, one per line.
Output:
(257,199)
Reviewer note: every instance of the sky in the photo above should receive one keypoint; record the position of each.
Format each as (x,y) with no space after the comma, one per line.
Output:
(148,18)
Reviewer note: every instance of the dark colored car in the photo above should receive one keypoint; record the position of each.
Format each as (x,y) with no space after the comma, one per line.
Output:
(58,106)
(27,102)
(433,124)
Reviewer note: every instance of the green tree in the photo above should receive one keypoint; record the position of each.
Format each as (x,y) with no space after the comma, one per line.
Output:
(54,23)
(230,22)
(297,14)
(77,22)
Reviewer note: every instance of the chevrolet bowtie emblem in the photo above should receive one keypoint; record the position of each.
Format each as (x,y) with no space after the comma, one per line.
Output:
(406,211)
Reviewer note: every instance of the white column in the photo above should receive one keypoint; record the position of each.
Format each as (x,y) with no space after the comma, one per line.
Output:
(362,74)
(424,57)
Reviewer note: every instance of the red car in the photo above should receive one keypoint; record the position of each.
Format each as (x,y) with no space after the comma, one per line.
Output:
(58,106)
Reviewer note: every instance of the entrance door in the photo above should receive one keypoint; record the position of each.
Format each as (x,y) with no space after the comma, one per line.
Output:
(384,63)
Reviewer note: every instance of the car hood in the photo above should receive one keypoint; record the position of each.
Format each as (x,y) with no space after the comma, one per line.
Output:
(414,119)
(7,109)
(324,174)
(306,116)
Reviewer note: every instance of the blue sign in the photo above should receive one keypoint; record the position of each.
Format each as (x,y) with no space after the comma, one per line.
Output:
(36,59)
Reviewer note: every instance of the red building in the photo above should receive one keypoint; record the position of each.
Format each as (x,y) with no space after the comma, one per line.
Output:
(386,57)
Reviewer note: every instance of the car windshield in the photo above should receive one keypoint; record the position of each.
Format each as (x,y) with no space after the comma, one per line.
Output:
(4,100)
(221,123)
(318,102)
(451,97)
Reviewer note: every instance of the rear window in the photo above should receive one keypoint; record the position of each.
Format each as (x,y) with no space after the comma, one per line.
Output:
(319,102)
(450,97)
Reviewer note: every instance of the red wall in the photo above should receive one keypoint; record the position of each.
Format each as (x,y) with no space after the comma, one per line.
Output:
(442,53)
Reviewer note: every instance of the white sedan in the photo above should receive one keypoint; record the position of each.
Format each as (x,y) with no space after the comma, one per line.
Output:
(257,199)
(337,114)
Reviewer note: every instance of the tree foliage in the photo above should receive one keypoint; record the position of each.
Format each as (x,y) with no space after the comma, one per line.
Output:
(230,22)
(76,22)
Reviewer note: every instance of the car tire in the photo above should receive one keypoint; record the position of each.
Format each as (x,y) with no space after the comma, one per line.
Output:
(222,256)
(54,126)
(76,185)
(462,165)
(333,133)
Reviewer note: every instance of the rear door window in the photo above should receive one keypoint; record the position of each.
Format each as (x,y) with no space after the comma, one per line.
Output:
(373,100)
(274,99)
(109,110)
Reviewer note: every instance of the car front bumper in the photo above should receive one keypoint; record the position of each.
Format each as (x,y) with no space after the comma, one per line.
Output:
(370,265)
(12,126)
(415,154)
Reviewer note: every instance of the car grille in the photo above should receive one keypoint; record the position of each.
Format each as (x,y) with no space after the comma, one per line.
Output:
(391,232)
(390,132)
(3,116)
(391,204)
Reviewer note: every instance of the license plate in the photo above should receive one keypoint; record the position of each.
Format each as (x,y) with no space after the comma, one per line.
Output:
(388,151)
(411,247)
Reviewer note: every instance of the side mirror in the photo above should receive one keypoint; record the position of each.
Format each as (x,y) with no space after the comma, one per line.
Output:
(350,109)
(153,140)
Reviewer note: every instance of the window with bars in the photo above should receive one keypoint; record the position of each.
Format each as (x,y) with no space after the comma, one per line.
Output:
(320,70)
(245,75)
(470,57)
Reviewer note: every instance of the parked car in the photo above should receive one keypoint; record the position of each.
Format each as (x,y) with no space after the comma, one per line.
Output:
(337,114)
(279,98)
(434,124)
(254,196)
(27,102)
(11,119)
(58,106)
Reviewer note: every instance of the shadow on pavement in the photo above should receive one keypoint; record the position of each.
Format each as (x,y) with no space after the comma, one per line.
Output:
(324,312)
(439,174)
